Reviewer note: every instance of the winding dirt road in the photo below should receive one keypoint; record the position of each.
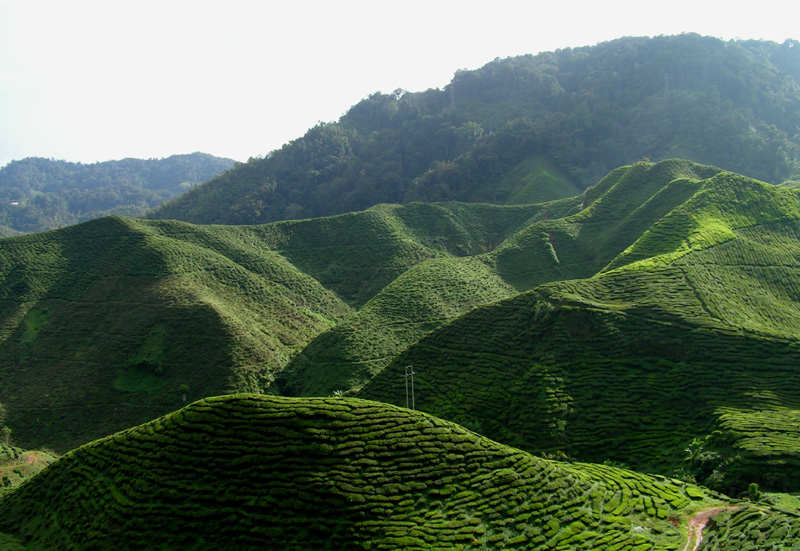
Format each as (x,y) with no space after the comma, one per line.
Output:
(697,523)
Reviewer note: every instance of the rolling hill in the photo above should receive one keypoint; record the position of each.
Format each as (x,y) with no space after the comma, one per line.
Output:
(590,231)
(529,129)
(655,313)
(112,322)
(691,332)
(249,472)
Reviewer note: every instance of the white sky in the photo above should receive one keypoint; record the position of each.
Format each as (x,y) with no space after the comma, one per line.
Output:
(91,81)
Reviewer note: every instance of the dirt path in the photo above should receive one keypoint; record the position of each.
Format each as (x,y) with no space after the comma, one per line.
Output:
(697,523)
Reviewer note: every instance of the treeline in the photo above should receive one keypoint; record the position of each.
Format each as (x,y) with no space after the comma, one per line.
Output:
(588,110)
(40,194)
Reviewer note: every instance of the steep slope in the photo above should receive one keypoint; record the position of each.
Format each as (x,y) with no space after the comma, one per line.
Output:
(43,194)
(691,332)
(115,321)
(421,299)
(358,254)
(121,320)
(589,231)
(529,129)
(613,214)
(254,472)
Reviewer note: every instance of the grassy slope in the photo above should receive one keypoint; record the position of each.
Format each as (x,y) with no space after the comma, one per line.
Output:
(537,180)
(694,328)
(356,255)
(589,232)
(534,180)
(423,298)
(102,323)
(254,472)
(113,317)
(17,465)
(613,214)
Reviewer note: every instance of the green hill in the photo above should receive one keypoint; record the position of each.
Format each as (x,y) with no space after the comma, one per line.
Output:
(529,129)
(653,314)
(422,298)
(588,231)
(105,324)
(116,317)
(691,332)
(254,472)
(43,194)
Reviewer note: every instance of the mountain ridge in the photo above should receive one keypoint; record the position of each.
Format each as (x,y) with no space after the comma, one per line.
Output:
(565,118)
(38,194)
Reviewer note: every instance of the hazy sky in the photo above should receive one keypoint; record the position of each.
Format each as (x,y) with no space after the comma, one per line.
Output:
(97,80)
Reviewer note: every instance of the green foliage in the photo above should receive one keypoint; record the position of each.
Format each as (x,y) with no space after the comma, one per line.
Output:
(42,194)
(102,321)
(702,296)
(17,465)
(113,315)
(657,308)
(693,451)
(254,472)
(529,129)
(749,528)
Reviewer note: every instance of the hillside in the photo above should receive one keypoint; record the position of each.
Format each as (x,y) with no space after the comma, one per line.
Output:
(121,320)
(254,472)
(529,129)
(43,194)
(655,313)
(420,299)
(112,322)
(589,231)
(690,333)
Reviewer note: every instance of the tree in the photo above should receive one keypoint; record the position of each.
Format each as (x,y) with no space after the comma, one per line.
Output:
(694,450)
(5,432)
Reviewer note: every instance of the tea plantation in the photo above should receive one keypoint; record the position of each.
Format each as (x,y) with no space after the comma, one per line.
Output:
(651,323)
(588,231)
(254,472)
(113,322)
(691,332)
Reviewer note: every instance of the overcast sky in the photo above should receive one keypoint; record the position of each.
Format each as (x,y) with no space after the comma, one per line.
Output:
(98,80)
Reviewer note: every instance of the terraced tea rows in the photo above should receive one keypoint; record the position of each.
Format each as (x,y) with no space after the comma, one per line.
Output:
(425,297)
(752,529)
(439,290)
(247,472)
(123,320)
(633,364)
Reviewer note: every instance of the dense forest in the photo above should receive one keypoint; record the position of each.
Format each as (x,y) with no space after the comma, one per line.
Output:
(41,194)
(530,129)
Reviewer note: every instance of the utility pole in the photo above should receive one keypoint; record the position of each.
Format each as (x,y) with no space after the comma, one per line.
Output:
(410,373)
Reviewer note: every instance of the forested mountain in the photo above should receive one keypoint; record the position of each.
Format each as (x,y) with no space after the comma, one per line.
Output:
(42,194)
(530,129)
